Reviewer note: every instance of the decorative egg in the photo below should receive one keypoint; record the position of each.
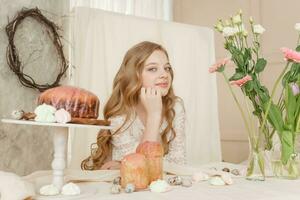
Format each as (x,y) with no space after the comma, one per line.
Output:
(117,181)
(235,172)
(129,188)
(226,169)
(176,180)
(115,189)
(17,114)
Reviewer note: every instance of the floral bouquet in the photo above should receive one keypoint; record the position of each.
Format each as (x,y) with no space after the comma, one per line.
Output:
(281,117)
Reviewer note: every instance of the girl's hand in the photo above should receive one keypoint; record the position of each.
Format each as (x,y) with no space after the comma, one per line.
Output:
(111,165)
(152,101)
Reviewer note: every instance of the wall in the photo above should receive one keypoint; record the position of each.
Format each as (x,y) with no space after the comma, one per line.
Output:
(278,17)
(24,149)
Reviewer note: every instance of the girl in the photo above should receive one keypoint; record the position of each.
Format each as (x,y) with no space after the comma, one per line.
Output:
(142,107)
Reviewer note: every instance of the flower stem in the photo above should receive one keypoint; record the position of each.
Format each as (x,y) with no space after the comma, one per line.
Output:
(272,94)
(239,106)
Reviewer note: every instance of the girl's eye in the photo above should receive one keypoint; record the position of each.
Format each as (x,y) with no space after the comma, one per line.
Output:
(168,68)
(152,69)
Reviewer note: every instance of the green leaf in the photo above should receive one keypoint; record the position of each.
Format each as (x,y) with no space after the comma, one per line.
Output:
(298,48)
(275,117)
(221,69)
(260,65)
(285,79)
(236,76)
(290,104)
(249,86)
(286,146)
(247,54)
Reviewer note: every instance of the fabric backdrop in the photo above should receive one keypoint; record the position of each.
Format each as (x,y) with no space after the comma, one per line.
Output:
(102,38)
(155,9)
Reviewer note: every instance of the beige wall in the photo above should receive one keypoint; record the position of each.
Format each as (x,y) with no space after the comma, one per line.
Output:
(24,149)
(278,17)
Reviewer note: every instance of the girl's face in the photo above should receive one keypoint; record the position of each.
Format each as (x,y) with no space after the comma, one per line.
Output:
(157,72)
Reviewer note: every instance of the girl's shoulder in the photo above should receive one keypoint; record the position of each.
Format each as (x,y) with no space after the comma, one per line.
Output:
(179,105)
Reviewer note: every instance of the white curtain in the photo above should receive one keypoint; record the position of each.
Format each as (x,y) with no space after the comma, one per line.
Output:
(100,42)
(156,9)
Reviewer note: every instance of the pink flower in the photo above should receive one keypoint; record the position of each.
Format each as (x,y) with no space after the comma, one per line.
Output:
(217,65)
(241,81)
(291,55)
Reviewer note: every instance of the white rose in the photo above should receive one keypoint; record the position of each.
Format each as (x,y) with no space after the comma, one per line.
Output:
(237,19)
(219,27)
(258,29)
(229,31)
(297,26)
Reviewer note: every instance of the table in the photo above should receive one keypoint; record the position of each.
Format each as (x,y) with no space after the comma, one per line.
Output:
(242,189)
(60,140)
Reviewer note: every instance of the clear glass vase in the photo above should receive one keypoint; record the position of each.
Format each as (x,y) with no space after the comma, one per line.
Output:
(290,170)
(256,165)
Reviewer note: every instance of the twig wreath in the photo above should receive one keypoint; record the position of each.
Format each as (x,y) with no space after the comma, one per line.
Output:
(12,56)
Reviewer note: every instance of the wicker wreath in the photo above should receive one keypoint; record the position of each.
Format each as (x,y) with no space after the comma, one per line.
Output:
(12,56)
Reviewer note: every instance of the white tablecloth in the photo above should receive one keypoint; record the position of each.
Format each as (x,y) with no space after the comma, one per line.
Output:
(270,189)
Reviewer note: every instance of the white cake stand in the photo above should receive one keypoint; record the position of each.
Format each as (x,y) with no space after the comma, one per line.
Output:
(60,141)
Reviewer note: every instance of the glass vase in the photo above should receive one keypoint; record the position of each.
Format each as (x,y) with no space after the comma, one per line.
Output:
(256,165)
(291,169)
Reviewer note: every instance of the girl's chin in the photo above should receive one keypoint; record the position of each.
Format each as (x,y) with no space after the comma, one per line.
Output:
(164,92)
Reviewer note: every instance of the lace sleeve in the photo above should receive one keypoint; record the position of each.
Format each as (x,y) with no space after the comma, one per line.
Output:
(177,148)
(123,142)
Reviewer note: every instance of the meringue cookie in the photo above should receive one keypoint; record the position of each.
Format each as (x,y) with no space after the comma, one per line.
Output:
(200,176)
(49,190)
(216,180)
(44,113)
(62,116)
(159,186)
(70,189)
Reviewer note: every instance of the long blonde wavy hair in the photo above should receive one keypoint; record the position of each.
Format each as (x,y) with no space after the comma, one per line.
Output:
(125,96)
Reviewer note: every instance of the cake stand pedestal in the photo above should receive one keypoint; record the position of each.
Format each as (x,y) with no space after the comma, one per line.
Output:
(60,141)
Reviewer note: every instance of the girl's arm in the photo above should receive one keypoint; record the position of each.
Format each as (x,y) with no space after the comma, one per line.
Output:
(152,102)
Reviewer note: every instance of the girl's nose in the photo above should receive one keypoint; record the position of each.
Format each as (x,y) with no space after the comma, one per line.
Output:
(164,74)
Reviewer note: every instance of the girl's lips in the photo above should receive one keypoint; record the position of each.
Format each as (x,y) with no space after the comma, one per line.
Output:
(163,85)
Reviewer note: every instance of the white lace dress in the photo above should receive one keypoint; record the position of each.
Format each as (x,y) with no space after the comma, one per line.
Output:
(129,138)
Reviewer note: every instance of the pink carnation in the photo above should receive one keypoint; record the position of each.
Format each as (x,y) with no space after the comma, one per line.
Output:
(291,55)
(217,65)
(241,81)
